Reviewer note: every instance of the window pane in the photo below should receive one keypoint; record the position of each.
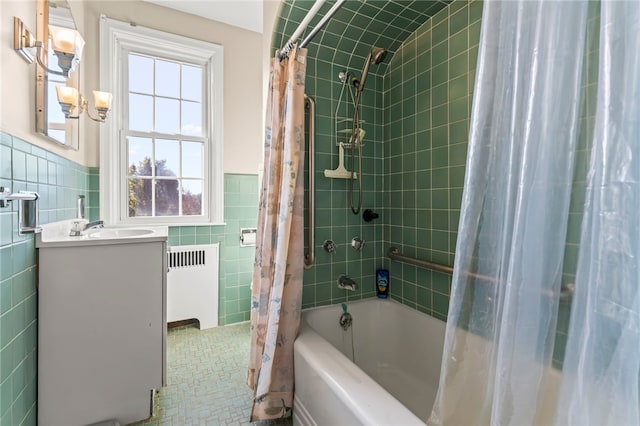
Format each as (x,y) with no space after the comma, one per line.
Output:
(167,197)
(163,153)
(167,157)
(191,83)
(191,118)
(191,197)
(192,159)
(167,116)
(167,79)
(140,112)
(139,156)
(140,203)
(140,74)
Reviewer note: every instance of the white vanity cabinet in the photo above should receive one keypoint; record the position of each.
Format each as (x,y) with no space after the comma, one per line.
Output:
(101,327)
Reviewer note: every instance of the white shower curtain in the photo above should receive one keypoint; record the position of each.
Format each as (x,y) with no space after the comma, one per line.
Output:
(602,363)
(509,258)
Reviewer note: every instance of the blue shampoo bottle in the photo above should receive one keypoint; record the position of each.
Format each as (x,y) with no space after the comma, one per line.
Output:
(382,283)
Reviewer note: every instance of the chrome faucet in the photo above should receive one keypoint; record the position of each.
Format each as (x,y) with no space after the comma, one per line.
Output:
(94,224)
(78,226)
(346,283)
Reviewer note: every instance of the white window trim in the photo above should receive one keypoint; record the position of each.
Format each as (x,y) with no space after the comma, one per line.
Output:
(117,37)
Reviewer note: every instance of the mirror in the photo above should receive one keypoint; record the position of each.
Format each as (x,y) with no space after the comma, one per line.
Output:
(50,120)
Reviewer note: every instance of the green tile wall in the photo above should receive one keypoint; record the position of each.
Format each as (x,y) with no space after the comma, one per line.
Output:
(343,45)
(428,92)
(93,194)
(24,166)
(427,99)
(236,263)
(334,219)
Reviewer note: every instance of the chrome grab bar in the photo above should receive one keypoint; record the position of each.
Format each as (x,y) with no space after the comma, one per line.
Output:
(566,290)
(309,256)
(395,255)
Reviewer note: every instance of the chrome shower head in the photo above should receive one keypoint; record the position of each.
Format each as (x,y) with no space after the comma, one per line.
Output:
(377,55)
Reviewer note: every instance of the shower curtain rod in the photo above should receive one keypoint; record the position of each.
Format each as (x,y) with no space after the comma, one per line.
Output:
(284,51)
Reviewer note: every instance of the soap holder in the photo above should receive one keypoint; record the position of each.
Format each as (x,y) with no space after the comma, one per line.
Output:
(27,209)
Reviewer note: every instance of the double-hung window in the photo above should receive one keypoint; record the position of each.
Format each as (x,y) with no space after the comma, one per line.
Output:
(161,152)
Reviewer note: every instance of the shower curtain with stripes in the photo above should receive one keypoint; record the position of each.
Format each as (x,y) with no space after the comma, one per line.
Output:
(276,293)
(501,332)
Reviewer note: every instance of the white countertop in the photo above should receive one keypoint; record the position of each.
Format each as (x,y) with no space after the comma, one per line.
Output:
(56,234)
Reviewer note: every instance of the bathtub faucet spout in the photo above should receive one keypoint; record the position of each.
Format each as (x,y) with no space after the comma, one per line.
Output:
(346,283)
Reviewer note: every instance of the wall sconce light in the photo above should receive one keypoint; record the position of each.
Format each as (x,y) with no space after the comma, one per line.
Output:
(67,46)
(70,99)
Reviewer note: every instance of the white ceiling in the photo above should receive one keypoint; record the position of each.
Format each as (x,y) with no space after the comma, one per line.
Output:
(245,14)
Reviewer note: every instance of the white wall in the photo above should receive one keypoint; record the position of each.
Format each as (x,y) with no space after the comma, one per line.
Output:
(17,84)
(242,70)
(243,75)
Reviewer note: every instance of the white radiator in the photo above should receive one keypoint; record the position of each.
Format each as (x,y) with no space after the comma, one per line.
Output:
(192,284)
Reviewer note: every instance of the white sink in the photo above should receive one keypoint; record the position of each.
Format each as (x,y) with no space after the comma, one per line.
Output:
(119,233)
(57,235)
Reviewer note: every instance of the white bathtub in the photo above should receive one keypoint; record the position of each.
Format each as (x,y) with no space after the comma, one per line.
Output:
(394,380)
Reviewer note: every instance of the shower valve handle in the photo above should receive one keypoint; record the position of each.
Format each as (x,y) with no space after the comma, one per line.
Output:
(368,215)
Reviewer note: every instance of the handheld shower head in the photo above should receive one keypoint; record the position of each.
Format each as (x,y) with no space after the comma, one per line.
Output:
(377,55)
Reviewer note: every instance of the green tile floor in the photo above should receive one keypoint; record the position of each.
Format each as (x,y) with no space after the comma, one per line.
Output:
(206,379)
